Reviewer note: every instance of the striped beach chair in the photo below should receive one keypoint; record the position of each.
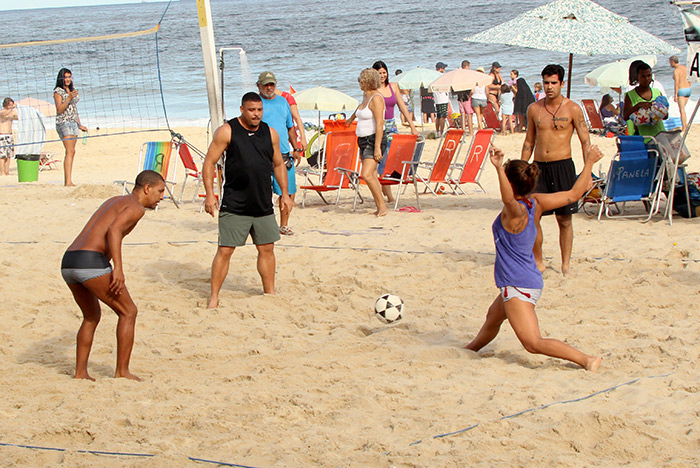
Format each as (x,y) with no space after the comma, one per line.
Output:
(156,156)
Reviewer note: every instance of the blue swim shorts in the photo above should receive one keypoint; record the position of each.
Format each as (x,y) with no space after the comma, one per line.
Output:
(685,92)
(291,181)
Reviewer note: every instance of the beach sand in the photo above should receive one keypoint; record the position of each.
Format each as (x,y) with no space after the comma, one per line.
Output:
(309,377)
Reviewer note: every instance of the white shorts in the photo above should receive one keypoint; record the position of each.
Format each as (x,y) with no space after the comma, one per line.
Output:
(524,294)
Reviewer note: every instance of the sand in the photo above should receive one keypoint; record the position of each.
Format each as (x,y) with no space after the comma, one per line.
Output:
(309,377)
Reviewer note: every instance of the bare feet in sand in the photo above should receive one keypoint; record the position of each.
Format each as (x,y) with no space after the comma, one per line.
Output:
(83,376)
(565,269)
(593,363)
(380,213)
(213,303)
(126,375)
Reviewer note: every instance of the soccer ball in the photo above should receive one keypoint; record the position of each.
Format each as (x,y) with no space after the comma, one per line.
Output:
(389,308)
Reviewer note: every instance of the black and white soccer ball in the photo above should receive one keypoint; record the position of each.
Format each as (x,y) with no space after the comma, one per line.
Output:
(389,308)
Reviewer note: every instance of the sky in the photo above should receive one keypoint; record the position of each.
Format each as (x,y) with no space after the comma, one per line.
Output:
(27,4)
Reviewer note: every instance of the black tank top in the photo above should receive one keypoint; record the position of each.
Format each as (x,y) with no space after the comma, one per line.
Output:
(247,171)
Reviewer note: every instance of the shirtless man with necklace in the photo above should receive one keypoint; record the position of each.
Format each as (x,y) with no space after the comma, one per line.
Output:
(551,124)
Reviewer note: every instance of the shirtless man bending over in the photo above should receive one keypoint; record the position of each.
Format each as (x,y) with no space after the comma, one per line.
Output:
(551,124)
(90,277)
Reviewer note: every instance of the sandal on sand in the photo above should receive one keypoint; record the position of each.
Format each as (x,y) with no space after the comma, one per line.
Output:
(410,209)
(286,231)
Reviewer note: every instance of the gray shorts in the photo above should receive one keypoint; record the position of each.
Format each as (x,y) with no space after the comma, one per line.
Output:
(234,229)
(69,128)
(79,266)
(476,102)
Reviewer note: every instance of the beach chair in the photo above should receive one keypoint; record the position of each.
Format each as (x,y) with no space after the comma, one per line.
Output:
(191,171)
(218,186)
(674,159)
(156,156)
(491,118)
(636,174)
(473,166)
(593,119)
(448,149)
(405,149)
(48,161)
(339,168)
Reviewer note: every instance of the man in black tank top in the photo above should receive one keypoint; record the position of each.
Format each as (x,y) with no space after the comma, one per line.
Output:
(251,154)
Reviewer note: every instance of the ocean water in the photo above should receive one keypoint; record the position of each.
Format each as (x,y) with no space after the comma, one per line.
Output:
(305,43)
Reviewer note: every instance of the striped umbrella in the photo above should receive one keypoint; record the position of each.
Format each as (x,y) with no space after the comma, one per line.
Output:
(575,27)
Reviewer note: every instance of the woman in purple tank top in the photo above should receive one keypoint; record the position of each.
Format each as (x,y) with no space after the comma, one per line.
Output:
(515,270)
(392,97)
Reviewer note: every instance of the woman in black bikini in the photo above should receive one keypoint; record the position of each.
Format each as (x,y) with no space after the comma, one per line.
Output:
(494,89)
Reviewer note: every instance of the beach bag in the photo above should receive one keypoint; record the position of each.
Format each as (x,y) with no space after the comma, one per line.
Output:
(680,204)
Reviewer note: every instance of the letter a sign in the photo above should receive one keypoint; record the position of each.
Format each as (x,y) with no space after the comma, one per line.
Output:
(691,25)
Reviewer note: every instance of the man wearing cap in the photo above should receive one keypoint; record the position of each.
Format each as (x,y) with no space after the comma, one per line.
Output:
(441,101)
(278,115)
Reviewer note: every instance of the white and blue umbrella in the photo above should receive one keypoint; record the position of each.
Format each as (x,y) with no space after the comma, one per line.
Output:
(414,79)
(575,27)
(616,74)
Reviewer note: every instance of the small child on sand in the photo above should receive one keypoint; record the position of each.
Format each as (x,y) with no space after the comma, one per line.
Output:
(515,270)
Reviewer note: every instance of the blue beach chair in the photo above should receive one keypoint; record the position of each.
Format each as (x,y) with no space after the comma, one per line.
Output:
(636,174)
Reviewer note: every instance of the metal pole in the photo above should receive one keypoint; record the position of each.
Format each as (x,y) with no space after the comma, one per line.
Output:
(672,188)
(568,82)
(206,32)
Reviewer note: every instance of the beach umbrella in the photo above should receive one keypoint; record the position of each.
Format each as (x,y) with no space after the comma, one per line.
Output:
(414,79)
(574,27)
(324,99)
(616,74)
(45,107)
(460,80)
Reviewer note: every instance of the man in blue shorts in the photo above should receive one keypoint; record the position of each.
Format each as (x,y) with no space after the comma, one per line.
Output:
(278,115)
(251,153)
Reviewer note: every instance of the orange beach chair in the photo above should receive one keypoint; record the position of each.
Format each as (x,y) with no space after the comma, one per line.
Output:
(473,166)
(339,167)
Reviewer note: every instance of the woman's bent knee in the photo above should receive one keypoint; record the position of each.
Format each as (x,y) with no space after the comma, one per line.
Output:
(532,346)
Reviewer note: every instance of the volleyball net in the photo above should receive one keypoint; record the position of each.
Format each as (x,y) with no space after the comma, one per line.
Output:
(118,78)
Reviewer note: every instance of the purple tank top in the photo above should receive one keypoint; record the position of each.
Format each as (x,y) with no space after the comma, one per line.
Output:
(515,262)
(389,103)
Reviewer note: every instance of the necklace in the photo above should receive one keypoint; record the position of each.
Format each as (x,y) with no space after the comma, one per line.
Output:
(554,115)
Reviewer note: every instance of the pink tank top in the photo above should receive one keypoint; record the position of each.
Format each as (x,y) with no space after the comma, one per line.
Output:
(389,103)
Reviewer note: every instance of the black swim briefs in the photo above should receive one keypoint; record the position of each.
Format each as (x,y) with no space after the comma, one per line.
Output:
(79,266)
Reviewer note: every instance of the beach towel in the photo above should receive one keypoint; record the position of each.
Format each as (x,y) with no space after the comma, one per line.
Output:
(30,129)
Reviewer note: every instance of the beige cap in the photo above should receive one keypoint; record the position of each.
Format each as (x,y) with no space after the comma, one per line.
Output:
(266,77)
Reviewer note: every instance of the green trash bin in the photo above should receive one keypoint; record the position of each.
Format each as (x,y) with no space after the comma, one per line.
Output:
(27,167)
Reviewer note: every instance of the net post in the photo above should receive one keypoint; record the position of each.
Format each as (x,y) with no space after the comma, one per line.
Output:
(206,31)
